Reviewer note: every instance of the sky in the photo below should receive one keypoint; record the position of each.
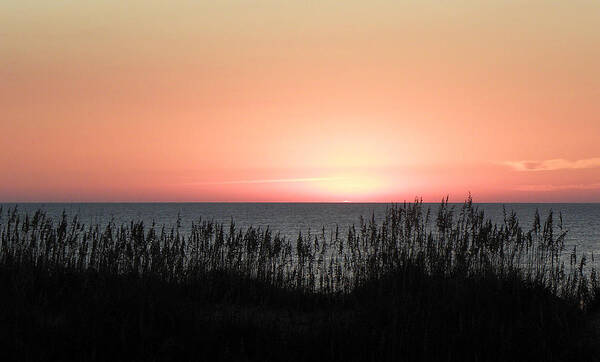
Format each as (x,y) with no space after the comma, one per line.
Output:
(363,101)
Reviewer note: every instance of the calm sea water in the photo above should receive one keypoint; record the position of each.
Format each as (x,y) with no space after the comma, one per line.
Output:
(581,220)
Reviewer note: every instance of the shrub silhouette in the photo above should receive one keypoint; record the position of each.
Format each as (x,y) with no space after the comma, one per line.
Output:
(416,286)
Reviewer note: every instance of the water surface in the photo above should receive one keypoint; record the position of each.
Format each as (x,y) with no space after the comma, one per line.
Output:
(581,220)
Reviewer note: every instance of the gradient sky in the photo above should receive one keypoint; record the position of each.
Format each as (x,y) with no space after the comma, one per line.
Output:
(299,100)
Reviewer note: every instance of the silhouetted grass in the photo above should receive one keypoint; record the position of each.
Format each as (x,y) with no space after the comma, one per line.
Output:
(416,287)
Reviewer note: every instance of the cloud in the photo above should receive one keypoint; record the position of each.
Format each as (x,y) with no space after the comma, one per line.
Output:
(555,164)
(270,181)
(547,188)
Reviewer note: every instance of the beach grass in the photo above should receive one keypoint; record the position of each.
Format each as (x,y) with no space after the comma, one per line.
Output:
(417,286)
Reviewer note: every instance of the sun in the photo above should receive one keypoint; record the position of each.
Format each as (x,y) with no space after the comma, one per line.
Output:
(351,187)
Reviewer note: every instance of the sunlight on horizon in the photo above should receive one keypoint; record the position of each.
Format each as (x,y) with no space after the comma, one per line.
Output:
(351,186)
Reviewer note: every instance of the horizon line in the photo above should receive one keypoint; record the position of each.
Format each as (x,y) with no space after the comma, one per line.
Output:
(294,202)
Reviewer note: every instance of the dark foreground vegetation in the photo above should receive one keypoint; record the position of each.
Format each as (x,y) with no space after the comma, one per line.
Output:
(416,287)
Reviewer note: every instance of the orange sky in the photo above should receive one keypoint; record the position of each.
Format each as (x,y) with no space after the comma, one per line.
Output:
(299,100)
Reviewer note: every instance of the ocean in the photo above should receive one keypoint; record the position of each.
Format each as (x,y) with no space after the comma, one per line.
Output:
(582,221)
